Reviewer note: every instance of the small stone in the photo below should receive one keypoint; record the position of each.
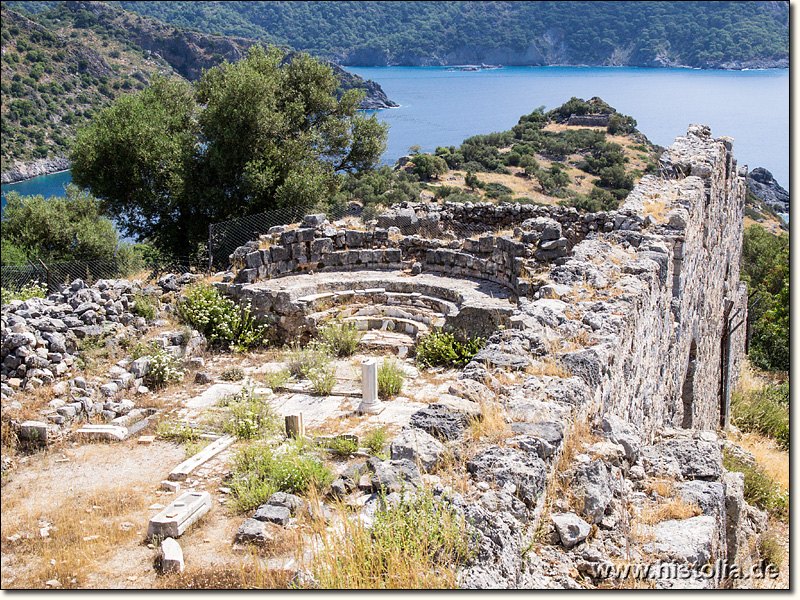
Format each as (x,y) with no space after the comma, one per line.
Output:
(571,528)
(146,439)
(170,486)
(172,556)
(53,583)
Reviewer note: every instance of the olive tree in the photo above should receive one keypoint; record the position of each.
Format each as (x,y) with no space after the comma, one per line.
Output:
(266,132)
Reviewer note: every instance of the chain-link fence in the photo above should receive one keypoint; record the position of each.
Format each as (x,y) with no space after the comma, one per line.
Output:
(225,237)
(53,275)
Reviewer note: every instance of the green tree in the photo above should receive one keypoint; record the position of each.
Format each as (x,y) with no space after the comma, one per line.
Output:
(256,135)
(57,228)
(428,166)
(471,180)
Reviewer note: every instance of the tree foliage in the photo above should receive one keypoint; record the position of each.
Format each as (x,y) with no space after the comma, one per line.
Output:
(57,228)
(765,268)
(256,135)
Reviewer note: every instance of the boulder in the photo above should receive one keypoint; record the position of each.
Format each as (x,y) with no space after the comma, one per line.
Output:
(572,530)
(501,465)
(593,483)
(273,513)
(440,421)
(690,540)
(419,447)
(623,433)
(253,531)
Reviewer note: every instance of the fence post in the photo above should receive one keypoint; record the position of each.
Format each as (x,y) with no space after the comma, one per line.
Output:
(210,251)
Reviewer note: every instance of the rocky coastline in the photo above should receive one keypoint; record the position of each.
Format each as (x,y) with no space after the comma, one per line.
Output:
(21,171)
(764,187)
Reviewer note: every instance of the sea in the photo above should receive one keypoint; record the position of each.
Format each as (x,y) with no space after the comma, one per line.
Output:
(442,106)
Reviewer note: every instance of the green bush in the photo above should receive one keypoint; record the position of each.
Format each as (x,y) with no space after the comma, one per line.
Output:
(164,368)
(302,360)
(441,348)
(764,411)
(31,290)
(145,305)
(179,432)
(323,379)
(259,471)
(276,379)
(341,338)
(759,488)
(390,379)
(232,374)
(220,319)
(342,445)
(375,441)
(248,416)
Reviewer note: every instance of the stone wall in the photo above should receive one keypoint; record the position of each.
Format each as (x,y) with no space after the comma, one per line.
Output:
(651,291)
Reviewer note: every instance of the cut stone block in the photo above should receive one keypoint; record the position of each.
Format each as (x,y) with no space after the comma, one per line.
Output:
(171,486)
(171,556)
(146,439)
(273,514)
(110,433)
(178,516)
(181,472)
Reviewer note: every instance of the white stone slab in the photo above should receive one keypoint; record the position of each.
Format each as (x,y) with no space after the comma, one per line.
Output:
(171,556)
(214,394)
(110,433)
(181,472)
(178,516)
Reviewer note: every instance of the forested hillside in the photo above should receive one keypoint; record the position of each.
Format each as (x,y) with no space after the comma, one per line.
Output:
(696,34)
(76,57)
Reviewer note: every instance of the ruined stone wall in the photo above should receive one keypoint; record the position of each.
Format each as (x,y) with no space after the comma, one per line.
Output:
(649,294)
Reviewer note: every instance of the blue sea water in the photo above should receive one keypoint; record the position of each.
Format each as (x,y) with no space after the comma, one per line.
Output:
(440,107)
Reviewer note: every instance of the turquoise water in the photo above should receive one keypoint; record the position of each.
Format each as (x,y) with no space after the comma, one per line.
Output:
(441,107)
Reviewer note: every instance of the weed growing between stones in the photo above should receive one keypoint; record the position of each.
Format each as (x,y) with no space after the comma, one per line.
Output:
(390,379)
(232,374)
(259,470)
(249,416)
(177,432)
(145,305)
(302,360)
(342,446)
(164,368)
(440,348)
(276,379)
(769,549)
(375,440)
(416,544)
(341,338)
(323,379)
(759,488)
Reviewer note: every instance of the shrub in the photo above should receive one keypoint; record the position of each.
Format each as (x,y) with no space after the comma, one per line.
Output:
(441,348)
(31,290)
(164,368)
(341,338)
(390,379)
(259,471)
(179,432)
(764,411)
(342,445)
(232,374)
(375,440)
(415,544)
(323,379)
(759,488)
(276,379)
(302,361)
(249,417)
(220,319)
(145,305)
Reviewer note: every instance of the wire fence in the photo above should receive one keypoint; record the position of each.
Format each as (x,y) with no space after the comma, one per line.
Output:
(54,275)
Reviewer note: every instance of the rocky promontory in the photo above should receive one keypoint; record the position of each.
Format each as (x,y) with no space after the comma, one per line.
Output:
(764,187)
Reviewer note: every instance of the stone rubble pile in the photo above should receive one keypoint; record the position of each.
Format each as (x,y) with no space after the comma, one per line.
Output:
(40,340)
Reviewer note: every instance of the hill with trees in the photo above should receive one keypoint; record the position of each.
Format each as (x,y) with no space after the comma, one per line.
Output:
(718,35)
(61,65)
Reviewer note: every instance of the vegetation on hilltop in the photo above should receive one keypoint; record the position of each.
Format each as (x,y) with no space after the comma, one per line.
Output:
(61,68)
(697,34)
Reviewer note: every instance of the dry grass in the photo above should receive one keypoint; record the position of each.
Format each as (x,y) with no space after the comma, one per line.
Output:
(656,209)
(663,487)
(774,460)
(672,509)
(82,531)
(551,366)
(492,427)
